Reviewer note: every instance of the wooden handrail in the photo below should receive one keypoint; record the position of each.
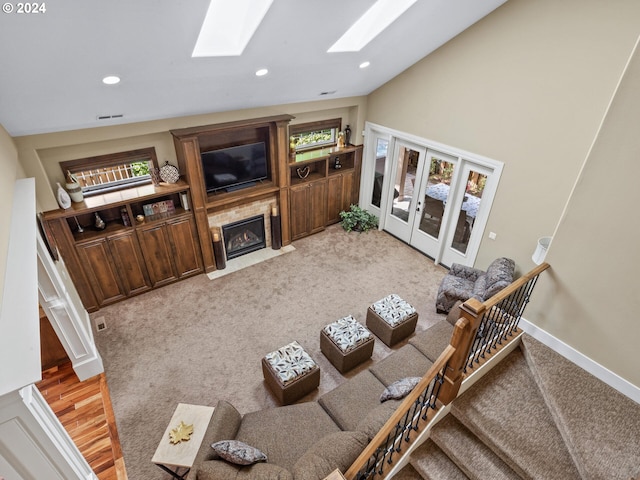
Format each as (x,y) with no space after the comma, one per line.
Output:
(400,412)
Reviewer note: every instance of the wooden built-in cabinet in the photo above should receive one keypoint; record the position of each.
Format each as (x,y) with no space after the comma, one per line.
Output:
(128,256)
(173,248)
(308,204)
(323,182)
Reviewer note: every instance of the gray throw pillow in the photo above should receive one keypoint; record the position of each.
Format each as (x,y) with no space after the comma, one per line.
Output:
(238,452)
(399,389)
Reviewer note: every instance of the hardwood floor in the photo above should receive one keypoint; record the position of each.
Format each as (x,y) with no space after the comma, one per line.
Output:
(85,411)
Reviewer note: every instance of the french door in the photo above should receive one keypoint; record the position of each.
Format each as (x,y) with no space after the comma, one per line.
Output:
(428,195)
(403,199)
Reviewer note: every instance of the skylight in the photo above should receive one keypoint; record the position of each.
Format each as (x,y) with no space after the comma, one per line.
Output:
(368,26)
(228,26)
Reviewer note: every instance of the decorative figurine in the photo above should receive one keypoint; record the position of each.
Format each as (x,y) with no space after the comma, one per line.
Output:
(99,223)
(347,135)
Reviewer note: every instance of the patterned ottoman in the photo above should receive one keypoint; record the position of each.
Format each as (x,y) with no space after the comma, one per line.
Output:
(290,373)
(392,319)
(346,343)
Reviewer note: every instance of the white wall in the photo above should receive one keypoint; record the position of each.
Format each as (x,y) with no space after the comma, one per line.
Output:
(590,299)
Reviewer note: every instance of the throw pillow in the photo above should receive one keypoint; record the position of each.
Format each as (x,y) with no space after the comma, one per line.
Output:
(399,389)
(238,452)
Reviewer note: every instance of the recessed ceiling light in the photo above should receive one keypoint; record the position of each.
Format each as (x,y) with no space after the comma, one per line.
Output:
(368,26)
(111,80)
(228,26)
(364,64)
(262,72)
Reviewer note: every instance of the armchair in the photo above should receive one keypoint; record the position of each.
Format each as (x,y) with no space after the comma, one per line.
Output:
(463,283)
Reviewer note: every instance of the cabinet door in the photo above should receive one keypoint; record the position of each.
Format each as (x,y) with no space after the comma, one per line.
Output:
(334,198)
(299,200)
(130,262)
(348,191)
(156,249)
(185,246)
(317,206)
(101,271)
(339,195)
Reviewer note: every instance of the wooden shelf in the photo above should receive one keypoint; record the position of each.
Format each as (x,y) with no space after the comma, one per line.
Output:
(117,199)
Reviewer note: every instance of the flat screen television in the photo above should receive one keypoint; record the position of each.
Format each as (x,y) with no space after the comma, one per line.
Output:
(236,167)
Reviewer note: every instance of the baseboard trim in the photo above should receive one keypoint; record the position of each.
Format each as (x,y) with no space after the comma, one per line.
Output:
(602,373)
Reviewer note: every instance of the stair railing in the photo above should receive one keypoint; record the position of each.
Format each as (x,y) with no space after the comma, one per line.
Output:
(416,410)
(501,316)
(492,325)
(482,329)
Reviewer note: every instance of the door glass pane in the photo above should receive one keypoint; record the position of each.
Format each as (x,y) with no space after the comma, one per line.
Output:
(404,182)
(472,198)
(381,157)
(436,194)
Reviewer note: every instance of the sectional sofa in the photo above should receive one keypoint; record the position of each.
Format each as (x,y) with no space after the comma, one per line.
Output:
(306,441)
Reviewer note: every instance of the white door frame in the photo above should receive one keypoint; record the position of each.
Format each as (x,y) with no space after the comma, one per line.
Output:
(374,131)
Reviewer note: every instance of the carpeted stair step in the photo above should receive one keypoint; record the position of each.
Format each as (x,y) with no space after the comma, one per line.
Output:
(506,411)
(433,464)
(601,427)
(474,458)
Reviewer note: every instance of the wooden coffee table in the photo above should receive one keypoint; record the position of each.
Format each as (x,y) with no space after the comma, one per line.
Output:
(171,458)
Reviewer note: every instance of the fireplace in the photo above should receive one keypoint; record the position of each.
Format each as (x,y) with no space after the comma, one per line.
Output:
(244,236)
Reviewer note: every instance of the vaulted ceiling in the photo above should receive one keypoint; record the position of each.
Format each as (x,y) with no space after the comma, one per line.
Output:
(52,62)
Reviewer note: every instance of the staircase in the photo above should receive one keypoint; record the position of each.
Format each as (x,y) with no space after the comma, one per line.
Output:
(533,416)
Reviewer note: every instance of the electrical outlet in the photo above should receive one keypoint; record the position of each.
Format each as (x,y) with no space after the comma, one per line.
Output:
(492,235)
(100,323)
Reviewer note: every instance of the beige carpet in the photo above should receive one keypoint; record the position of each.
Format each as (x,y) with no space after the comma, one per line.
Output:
(200,340)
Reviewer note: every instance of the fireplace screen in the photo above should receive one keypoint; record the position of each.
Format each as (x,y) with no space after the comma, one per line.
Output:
(244,236)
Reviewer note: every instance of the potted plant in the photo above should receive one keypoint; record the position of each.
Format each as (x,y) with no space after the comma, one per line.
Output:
(358,219)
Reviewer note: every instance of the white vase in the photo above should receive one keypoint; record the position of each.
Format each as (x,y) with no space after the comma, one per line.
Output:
(64,200)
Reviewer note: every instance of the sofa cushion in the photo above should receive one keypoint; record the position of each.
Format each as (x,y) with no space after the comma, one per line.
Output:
(284,434)
(399,389)
(336,450)
(454,314)
(404,362)
(349,402)
(238,452)
(432,341)
(376,417)
(221,470)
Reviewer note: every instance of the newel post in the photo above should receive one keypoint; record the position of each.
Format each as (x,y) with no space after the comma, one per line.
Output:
(462,339)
